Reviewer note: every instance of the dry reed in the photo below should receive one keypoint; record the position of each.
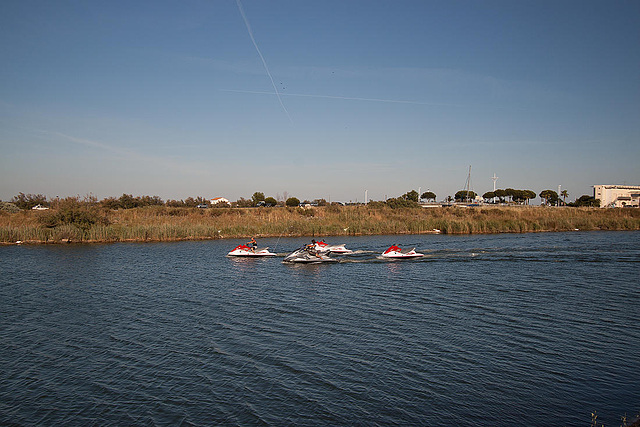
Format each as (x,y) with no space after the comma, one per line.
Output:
(159,223)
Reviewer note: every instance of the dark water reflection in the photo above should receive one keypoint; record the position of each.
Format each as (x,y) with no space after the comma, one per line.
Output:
(537,329)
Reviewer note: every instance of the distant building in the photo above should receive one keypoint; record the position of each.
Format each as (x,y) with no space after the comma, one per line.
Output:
(617,196)
(218,200)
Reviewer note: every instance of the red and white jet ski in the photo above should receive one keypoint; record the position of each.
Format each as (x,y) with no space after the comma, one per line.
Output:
(334,249)
(244,250)
(395,252)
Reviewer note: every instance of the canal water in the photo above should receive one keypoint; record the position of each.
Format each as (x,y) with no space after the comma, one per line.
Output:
(500,330)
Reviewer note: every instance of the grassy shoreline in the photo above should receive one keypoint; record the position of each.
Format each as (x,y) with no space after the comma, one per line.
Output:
(159,224)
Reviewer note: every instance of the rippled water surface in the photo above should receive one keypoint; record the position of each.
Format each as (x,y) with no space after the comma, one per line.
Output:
(533,329)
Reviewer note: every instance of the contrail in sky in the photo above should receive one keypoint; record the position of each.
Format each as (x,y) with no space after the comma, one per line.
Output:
(90,143)
(128,153)
(275,88)
(349,98)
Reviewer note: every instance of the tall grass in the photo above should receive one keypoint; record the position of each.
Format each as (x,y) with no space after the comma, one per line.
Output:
(159,223)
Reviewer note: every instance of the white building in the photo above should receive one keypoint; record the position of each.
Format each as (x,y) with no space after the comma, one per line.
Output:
(218,200)
(617,196)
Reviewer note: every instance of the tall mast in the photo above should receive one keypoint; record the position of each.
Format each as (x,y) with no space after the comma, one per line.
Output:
(494,178)
(467,186)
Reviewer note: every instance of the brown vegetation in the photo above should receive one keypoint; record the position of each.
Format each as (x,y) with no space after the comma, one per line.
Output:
(82,222)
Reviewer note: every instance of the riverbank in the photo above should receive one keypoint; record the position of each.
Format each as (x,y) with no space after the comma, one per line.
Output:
(158,223)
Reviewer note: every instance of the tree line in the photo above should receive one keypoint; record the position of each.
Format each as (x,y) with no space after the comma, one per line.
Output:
(513,195)
(508,195)
(408,199)
(128,201)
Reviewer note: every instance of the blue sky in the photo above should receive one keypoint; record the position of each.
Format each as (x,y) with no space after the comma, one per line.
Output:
(172,98)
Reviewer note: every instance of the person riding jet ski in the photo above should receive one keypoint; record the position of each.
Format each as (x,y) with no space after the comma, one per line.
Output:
(311,248)
(252,244)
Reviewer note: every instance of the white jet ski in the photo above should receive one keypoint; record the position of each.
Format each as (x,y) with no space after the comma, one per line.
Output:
(246,251)
(395,252)
(306,255)
(334,249)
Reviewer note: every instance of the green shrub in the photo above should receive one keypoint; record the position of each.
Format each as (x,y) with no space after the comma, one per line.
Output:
(9,207)
(73,212)
(293,201)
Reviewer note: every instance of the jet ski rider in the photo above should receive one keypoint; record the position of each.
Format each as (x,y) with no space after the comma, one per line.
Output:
(252,244)
(311,248)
